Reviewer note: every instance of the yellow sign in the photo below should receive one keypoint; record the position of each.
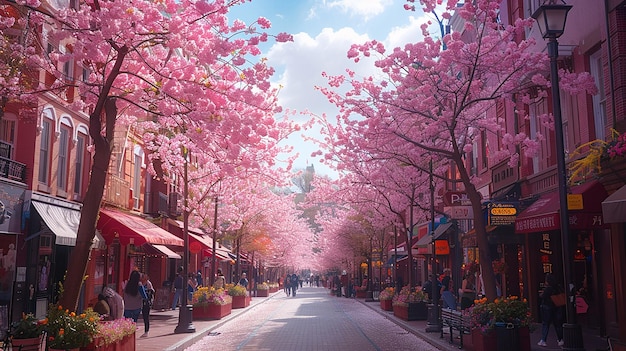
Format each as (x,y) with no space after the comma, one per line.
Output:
(574,201)
(503,211)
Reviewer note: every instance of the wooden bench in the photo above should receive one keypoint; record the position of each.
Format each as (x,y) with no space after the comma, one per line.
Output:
(455,321)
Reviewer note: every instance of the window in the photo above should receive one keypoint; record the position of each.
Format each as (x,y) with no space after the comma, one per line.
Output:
(44,146)
(484,149)
(64,142)
(532,116)
(599,100)
(81,151)
(138,163)
(68,66)
(474,169)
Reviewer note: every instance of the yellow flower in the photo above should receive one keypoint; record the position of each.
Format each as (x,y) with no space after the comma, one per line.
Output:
(61,331)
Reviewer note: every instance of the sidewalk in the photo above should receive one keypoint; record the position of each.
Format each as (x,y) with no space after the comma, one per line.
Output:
(163,323)
(592,341)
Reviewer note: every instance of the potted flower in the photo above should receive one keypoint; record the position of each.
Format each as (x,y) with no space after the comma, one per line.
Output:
(211,303)
(239,295)
(27,331)
(116,332)
(273,287)
(410,304)
(262,290)
(69,330)
(502,316)
(499,267)
(386,297)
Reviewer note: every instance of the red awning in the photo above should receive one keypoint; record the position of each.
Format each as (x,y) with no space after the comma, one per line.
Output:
(543,214)
(132,229)
(197,239)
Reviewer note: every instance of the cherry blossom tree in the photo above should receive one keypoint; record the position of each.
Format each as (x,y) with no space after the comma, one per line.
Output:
(179,64)
(429,104)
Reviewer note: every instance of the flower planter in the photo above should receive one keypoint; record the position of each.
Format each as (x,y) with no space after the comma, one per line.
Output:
(417,311)
(212,311)
(262,293)
(241,301)
(26,344)
(273,290)
(484,342)
(386,305)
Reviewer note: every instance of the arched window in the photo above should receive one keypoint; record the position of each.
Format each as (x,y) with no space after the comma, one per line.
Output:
(45,142)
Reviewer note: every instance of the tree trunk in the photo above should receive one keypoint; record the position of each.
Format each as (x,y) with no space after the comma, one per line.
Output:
(91,207)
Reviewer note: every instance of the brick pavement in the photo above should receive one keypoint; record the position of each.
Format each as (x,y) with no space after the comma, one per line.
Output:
(163,323)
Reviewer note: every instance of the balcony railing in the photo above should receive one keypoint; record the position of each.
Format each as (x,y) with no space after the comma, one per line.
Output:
(117,192)
(12,170)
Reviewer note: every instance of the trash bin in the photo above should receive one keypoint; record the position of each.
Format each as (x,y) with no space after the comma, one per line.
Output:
(507,335)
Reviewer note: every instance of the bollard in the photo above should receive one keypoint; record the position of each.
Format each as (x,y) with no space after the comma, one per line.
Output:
(573,337)
(507,336)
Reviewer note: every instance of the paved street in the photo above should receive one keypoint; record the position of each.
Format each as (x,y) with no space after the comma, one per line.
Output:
(313,320)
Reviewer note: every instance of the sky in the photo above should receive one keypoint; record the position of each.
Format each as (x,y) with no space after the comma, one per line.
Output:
(323,32)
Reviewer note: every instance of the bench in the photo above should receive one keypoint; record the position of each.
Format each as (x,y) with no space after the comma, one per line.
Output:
(455,321)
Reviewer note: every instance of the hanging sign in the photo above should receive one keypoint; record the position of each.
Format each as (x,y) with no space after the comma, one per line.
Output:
(501,213)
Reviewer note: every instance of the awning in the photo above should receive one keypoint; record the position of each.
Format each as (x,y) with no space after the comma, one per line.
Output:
(63,222)
(543,214)
(164,250)
(389,262)
(614,207)
(428,239)
(135,230)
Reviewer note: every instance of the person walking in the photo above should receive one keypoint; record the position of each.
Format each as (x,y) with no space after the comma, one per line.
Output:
(199,278)
(287,284)
(244,280)
(192,285)
(147,303)
(468,291)
(178,287)
(294,284)
(220,280)
(449,301)
(134,294)
(550,313)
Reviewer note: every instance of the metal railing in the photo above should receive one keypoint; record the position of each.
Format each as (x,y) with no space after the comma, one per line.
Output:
(12,169)
(117,191)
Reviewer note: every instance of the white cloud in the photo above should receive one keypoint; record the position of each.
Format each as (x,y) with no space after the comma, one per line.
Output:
(363,8)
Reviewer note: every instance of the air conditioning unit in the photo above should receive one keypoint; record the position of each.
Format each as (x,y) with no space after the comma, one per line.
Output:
(174,204)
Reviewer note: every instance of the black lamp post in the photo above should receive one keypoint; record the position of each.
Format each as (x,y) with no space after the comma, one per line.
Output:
(551,19)
(185,314)
(433,325)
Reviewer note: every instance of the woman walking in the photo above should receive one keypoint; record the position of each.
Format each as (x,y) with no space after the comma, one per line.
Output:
(550,313)
(147,303)
(134,294)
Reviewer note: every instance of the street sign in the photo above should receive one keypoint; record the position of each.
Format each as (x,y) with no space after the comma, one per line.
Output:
(459,212)
(502,213)
(575,201)
(455,198)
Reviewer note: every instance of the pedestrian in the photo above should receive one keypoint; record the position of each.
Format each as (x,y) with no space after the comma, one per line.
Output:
(134,294)
(102,307)
(220,280)
(115,302)
(147,303)
(449,301)
(192,285)
(288,284)
(178,287)
(550,313)
(244,280)
(468,291)
(294,284)
(199,278)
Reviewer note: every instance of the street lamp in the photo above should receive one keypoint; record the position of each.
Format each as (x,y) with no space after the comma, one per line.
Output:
(433,325)
(551,18)
(185,314)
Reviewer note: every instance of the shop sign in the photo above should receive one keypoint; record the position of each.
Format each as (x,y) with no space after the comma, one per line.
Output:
(575,201)
(502,213)
(455,198)
(459,212)
(442,247)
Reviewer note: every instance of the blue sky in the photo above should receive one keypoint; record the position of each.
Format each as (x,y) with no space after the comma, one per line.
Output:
(323,31)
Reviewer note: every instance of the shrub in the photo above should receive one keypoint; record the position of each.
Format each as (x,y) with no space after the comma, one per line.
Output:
(68,330)
(387,294)
(408,295)
(28,327)
(209,295)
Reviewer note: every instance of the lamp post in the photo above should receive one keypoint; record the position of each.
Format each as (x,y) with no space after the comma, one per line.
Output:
(185,314)
(551,19)
(433,325)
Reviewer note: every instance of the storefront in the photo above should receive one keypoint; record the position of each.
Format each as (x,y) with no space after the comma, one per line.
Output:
(588,236)
(134,243)
(11,301)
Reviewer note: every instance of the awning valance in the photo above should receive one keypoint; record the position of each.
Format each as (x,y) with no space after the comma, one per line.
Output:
(428,239)
(543,214)
(135,230)
(614,207)
(63,222)
(162,250)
